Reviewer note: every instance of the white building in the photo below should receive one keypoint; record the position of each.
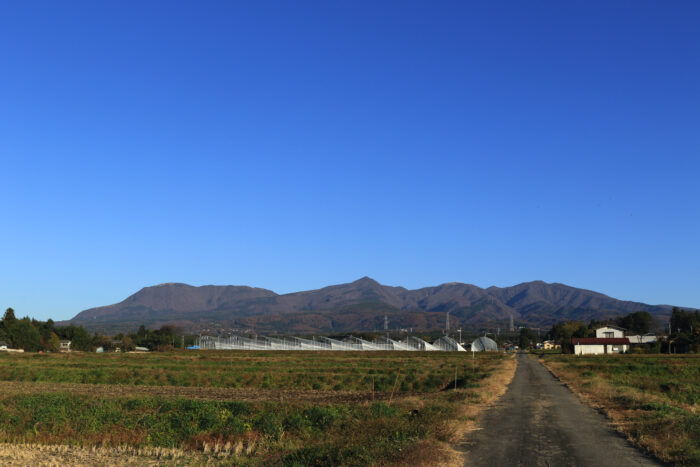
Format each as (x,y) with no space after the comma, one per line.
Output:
(600,345)
(609,331)
(643,339)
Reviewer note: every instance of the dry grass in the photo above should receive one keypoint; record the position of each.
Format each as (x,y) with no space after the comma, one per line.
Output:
(62,455)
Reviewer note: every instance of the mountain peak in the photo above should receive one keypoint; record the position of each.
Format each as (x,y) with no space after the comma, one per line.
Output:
(366,281)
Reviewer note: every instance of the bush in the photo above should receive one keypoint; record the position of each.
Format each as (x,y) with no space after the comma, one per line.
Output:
(269,424)
(321,418)
(296,421)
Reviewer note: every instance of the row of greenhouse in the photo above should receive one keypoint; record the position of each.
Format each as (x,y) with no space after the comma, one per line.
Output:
(412,343)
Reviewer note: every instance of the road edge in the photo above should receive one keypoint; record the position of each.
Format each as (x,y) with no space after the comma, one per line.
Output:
(496,386)
(613,423)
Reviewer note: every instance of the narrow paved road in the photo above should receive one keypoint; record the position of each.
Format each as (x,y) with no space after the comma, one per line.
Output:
(539,422)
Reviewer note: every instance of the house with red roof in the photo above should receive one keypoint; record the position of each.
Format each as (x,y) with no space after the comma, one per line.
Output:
(607,340)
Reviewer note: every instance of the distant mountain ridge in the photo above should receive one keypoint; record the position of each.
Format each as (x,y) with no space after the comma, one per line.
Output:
(356,306)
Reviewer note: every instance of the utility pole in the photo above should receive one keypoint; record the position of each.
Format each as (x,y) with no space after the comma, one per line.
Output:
(447,324)
(460,336)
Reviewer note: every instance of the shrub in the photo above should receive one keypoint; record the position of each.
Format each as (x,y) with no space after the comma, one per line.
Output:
(269,424)
(296,421)
(321,418)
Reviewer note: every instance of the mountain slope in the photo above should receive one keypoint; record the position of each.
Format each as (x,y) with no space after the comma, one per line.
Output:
(355,306)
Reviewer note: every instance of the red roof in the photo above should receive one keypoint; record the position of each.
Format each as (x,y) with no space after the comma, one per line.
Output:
(599,340)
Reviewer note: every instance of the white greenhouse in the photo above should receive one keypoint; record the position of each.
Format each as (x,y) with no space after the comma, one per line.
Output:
(351,343)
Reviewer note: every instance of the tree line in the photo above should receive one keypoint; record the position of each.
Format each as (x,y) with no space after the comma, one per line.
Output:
(32,335)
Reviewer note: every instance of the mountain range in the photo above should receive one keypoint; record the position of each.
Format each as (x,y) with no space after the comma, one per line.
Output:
(357,306)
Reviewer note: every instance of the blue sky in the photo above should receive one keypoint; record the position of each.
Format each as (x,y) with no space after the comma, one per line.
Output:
(293,145)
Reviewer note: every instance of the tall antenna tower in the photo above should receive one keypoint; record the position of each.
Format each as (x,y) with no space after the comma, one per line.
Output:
(386,323)
(511,326)
(447,323)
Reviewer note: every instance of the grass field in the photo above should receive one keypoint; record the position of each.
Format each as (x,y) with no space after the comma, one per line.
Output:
(653,399)
(347,371)
(250,408)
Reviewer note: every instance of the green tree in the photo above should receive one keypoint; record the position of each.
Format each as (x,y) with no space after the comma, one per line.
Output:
(526,338)
(562,333)
(685,322)
(127,344)
(52,344)
(81,339)
(8,318)
(639,322)
(25,336)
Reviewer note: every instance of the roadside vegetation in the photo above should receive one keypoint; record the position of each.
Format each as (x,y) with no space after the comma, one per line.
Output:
(653,399)
(405,409)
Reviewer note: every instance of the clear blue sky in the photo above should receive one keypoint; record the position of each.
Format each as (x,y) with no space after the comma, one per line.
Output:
(293,145)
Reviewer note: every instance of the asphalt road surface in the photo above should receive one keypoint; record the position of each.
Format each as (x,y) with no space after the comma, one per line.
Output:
(540,422)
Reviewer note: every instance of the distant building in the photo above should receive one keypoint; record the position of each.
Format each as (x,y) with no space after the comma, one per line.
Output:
(65,346)
(550,345)
(600,345)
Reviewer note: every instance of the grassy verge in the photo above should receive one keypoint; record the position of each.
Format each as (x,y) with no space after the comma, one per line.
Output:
(408,426)
(652,399)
